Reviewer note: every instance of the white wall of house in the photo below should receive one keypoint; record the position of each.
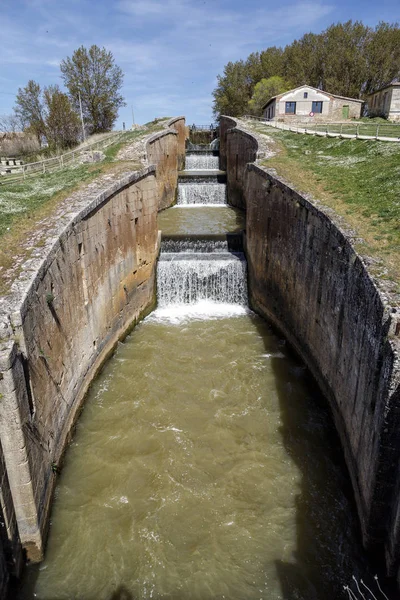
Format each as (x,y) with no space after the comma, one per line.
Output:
(309,104)
(385,103)
(394,113)
(304,98)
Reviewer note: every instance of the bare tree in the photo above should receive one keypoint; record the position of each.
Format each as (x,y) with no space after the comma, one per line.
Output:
(10,124)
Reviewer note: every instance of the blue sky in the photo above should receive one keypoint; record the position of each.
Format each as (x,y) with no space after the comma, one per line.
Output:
(171,51)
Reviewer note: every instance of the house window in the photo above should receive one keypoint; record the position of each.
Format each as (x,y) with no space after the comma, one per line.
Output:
(305,94)
(290,108)
(316,107)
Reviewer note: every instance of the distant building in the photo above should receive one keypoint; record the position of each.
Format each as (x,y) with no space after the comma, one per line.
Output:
(385,102)
(307,103)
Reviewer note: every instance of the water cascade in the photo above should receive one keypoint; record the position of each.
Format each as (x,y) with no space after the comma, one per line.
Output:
(200,190)
(201,270)
(201,160)
(186,278)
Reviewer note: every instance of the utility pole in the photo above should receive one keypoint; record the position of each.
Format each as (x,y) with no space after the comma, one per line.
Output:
(133,118)
(83,125)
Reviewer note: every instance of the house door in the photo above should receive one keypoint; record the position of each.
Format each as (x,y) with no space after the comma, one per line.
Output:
(345,112)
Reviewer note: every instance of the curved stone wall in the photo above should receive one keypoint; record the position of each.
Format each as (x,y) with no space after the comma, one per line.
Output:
(75,300)
(167,151)
(179,124)
(306,277)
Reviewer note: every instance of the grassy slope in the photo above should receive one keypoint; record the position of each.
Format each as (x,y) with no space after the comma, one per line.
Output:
(24,205)
(358,179)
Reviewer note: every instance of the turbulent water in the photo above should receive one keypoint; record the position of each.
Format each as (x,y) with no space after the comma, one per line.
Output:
(201,193)
(203,467)
(200,161)
(184,278)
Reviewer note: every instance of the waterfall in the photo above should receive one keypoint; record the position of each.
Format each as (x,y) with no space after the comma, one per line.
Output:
(187,278)
(197,191)
(200,161)
(196,270)
(231,242)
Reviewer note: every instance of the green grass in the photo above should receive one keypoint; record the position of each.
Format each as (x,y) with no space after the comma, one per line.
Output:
(20,199)
(358,178)
(24,204)
(381,128)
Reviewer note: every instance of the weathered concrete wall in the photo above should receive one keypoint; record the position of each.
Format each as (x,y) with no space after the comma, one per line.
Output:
(178,123)
(167,151)
(98,278)
(240,150)
(64,317)
(225,124)
(306,277)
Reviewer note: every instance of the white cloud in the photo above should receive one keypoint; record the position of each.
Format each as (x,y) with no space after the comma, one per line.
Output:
(169,50)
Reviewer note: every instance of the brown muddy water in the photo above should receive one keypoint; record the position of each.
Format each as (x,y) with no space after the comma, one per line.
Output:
(200,219)
(204,466)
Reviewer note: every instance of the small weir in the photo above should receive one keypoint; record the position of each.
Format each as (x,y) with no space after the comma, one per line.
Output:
(205,464)
(200,161)
(187,278)
(201,189)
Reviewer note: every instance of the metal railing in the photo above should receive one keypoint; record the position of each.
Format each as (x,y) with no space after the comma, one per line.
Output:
(19,172)
(195,127)
(385,132)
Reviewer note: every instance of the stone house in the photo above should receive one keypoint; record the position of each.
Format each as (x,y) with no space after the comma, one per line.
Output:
(385,102)
(307,103)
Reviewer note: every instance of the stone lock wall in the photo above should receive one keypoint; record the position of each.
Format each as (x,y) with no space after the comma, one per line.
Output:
(62,321)
(306,277)
(179,125)
(167,151)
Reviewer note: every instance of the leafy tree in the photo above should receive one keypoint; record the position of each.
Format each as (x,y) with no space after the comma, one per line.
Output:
(233,91)
(303,61)
(30,110)
(264,90)
(348,59)
(271,61)
(62,123)
(345,67)
(382,57)
(94,75)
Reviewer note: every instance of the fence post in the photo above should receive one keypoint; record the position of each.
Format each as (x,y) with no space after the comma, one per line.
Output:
(377,131)
(358,129)
(44,167)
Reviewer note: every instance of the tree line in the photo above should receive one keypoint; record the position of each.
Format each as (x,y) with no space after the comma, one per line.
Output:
(348,59)
(93,82)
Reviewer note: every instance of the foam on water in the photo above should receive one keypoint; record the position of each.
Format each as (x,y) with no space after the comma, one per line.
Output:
(201,193)
(188,278)
(201,162)
(204,310)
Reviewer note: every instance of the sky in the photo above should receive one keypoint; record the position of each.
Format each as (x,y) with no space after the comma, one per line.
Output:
(170,51)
